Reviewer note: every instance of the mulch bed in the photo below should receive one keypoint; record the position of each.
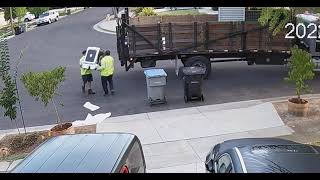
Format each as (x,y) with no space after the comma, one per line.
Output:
(291,120)
(309,124)
(18,146)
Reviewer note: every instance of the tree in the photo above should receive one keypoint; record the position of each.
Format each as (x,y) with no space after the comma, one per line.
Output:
(7,13)
(37,10)
(20,12)
(8,93)
(299,10)
(301,69)
(275,18)
(44,85)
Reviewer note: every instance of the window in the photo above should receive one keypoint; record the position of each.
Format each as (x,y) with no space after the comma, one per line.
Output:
(135,161)
(44,15)
(225,164)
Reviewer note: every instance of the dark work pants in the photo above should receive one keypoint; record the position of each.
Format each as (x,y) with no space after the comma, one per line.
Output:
(105,80)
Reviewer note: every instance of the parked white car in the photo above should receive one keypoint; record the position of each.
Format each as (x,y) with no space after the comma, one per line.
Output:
(48,18)
(28,17)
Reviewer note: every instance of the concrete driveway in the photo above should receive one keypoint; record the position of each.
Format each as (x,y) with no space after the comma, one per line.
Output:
(179,140)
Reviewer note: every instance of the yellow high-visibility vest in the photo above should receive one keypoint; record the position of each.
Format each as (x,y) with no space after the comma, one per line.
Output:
(106,67)
(84,71)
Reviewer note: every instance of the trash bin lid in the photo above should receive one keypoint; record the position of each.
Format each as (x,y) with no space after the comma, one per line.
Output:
(193,70)
(155,73)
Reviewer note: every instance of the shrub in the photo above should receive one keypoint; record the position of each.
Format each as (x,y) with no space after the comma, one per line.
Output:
(137,10)
(147,11)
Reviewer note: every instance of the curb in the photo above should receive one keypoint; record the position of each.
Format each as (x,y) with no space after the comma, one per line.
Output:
(98,28)
(229,105)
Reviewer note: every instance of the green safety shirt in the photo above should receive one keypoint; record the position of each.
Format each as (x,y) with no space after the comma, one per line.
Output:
(106,68)
(84,71)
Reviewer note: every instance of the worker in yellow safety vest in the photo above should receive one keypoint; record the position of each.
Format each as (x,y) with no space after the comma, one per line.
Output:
(86,75)
(106,70)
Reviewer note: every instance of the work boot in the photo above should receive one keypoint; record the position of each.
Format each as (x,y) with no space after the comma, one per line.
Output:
(90,91)
(83,89)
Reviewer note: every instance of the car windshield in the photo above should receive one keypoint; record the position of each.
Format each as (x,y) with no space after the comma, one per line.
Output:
(44,15)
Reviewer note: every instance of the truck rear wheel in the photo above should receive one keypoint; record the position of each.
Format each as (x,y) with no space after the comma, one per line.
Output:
(200,61)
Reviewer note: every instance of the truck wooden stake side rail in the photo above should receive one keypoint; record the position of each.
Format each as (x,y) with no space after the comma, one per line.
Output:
(199,43)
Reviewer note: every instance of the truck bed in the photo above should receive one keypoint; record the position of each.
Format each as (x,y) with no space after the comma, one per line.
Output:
(201,37)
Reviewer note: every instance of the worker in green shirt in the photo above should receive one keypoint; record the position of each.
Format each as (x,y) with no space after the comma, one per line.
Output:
(107,69)
(86,75)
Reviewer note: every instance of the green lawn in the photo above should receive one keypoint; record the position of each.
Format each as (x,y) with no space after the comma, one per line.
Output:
(181,12)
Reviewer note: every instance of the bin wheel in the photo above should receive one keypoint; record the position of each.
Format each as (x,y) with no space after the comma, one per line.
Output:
(202,98)
(164,100)
(185,99)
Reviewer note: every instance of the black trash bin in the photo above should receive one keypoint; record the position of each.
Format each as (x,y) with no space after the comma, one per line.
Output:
(17,30)
(192,82)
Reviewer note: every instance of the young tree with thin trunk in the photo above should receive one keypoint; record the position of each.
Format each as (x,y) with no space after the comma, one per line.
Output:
(8,93)
(301,69)
(44,85)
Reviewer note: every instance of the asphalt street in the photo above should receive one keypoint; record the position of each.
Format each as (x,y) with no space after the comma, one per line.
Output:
(61,44)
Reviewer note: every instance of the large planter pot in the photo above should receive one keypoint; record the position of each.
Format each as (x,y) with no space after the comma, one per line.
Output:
(62,129)
(298,108)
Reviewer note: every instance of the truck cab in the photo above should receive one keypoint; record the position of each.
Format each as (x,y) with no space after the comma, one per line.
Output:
(311,41)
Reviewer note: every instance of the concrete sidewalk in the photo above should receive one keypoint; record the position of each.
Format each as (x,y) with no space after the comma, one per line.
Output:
(178,140)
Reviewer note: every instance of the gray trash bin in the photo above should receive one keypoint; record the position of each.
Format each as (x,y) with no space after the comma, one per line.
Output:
(156,82)
(23,28)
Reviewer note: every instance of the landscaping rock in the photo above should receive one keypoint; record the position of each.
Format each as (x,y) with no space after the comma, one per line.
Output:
(4,151)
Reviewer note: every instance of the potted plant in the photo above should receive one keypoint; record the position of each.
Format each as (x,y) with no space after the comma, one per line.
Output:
(44,86)
(300,70)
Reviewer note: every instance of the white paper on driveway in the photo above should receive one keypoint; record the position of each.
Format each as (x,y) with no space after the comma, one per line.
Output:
(90,106)
(92,119)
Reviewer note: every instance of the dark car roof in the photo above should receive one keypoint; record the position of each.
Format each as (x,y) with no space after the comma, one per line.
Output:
(76,153)
(252,141)
(276,155)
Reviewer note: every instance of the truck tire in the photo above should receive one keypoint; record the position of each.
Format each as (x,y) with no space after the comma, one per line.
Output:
(200,61)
